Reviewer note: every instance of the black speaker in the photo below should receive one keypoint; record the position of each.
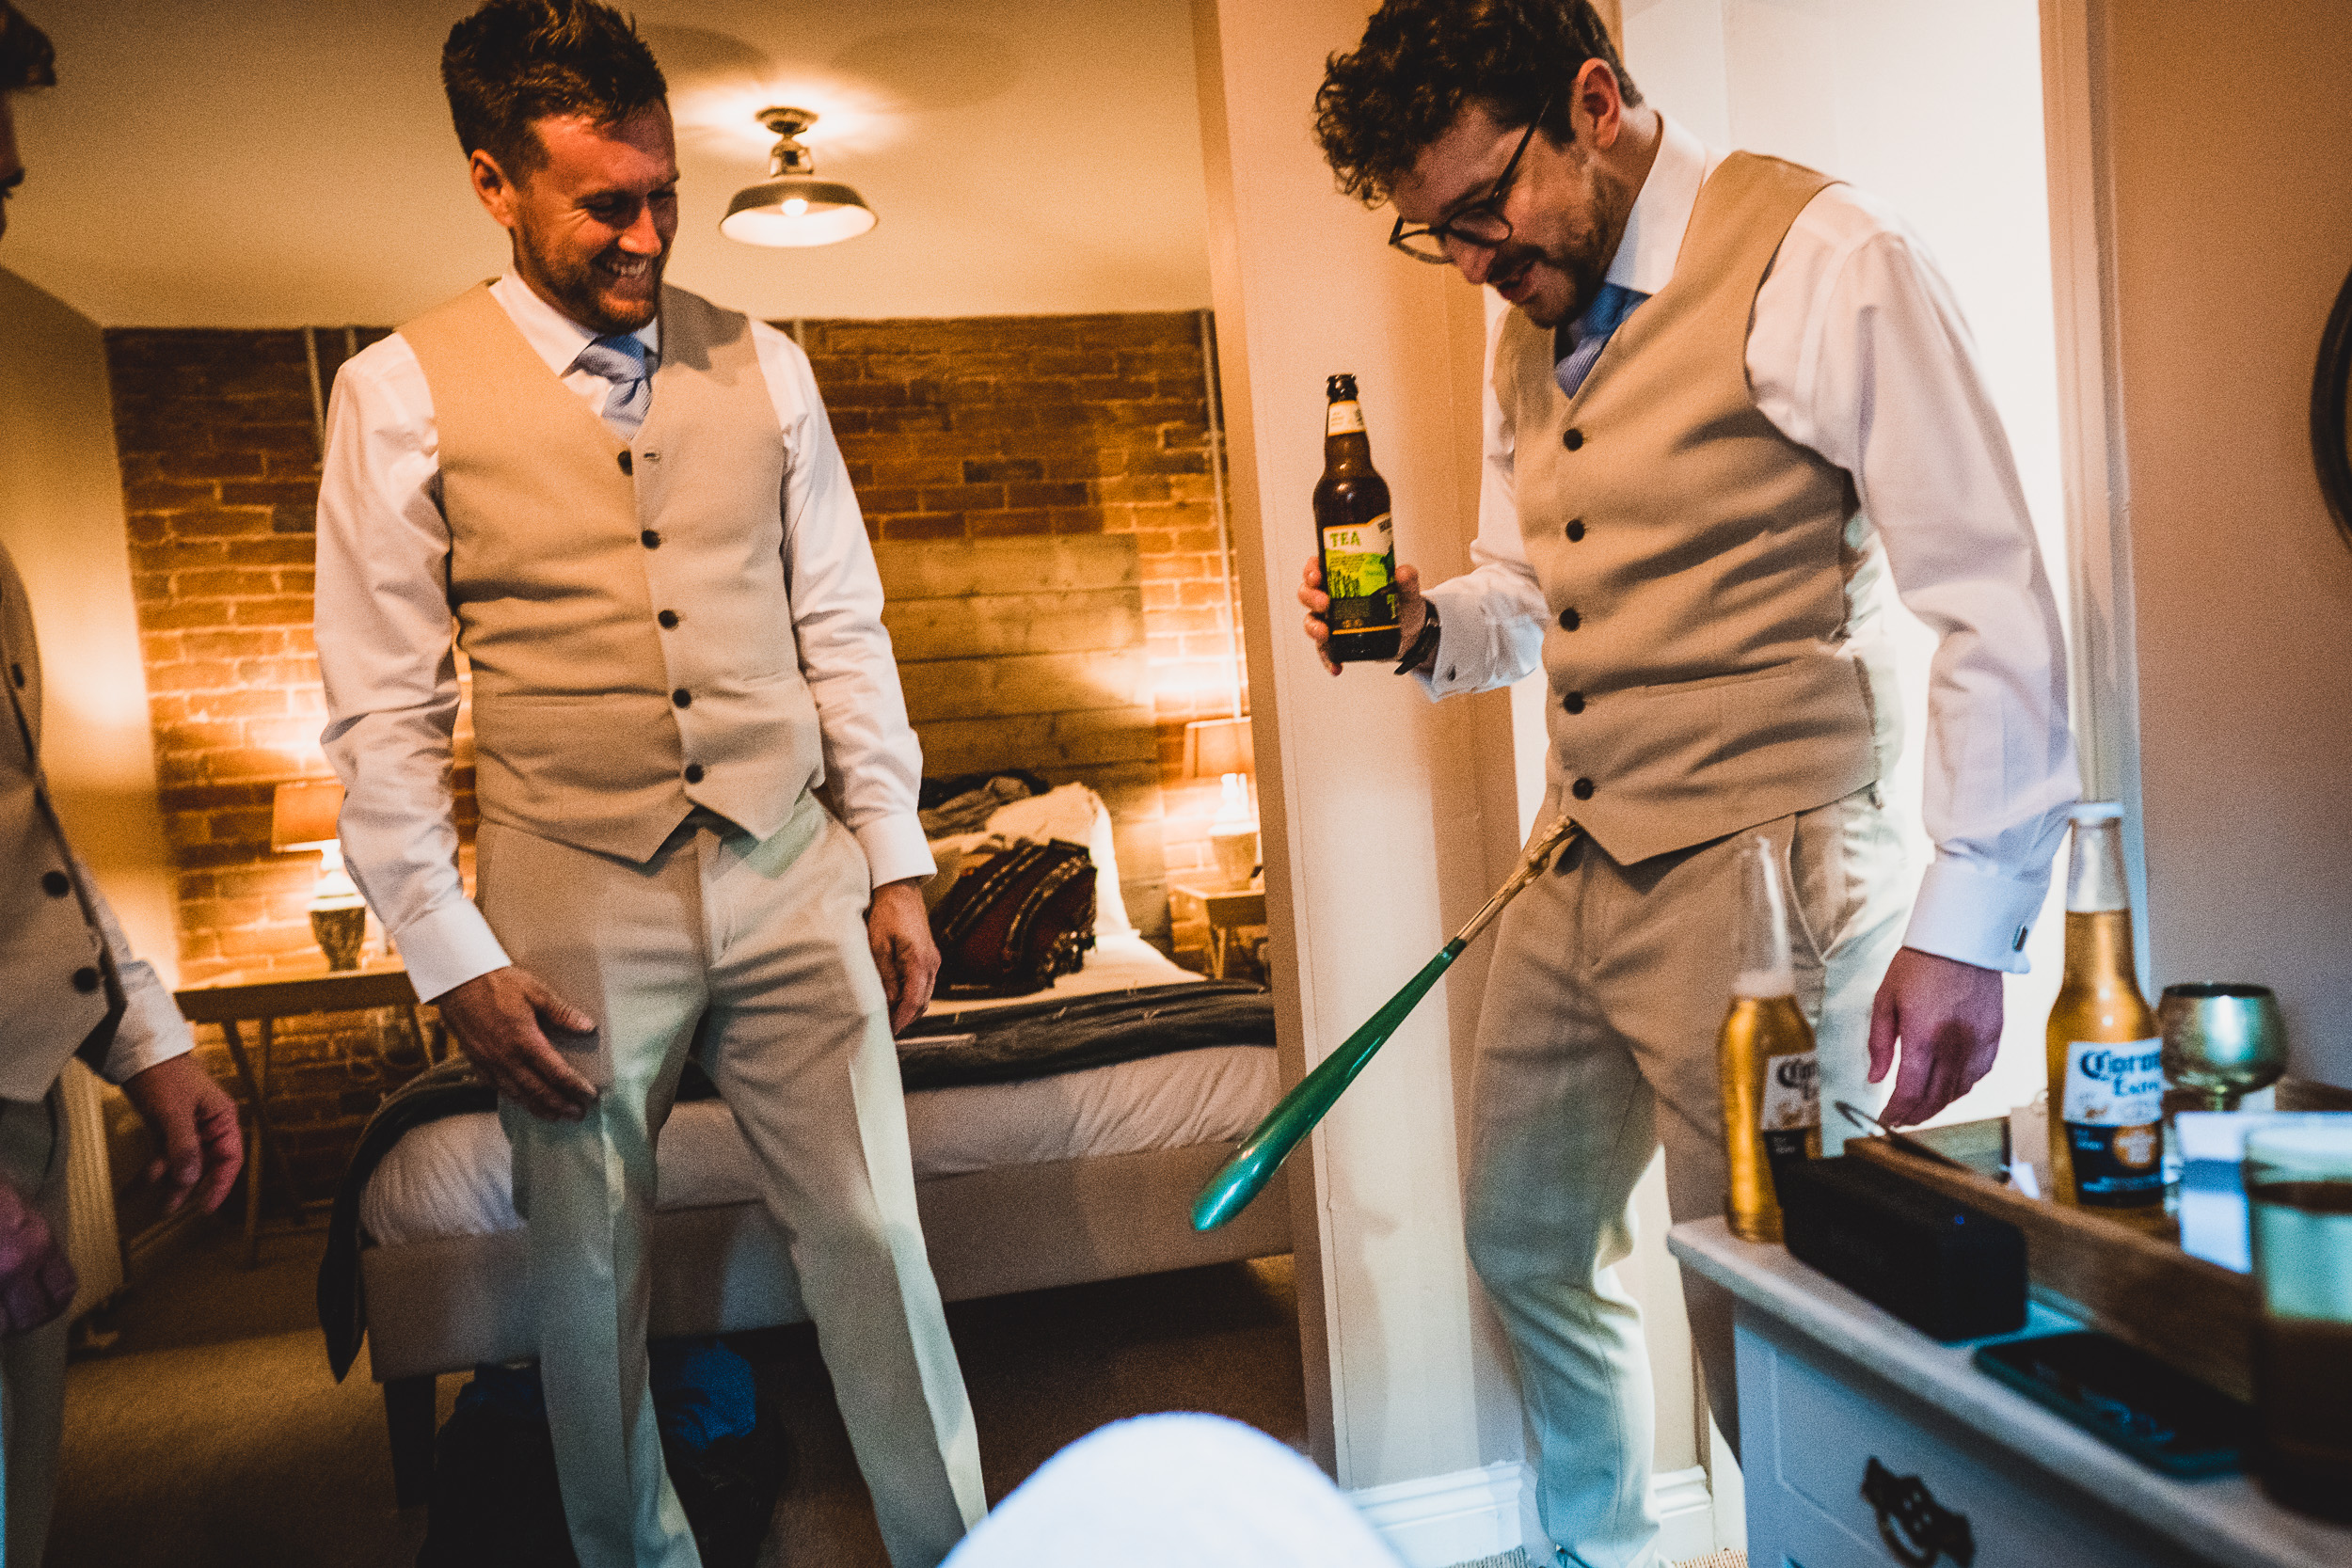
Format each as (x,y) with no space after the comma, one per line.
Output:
(1949,1271)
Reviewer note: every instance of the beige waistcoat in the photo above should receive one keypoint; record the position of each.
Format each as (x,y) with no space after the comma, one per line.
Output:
(594,725)
(1693,558)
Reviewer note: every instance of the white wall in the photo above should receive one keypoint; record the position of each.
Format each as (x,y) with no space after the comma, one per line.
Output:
(61,517)
(1935,108)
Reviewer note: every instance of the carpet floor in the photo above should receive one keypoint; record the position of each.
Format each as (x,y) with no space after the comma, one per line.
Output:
(208,1433)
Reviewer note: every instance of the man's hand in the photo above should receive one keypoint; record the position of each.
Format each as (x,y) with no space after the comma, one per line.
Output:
(498,1019)
(900,931)
(1410,607)
(195,1125)
(1948,1016)
(36,1281)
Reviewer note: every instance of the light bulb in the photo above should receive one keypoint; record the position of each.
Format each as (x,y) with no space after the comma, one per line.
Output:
(794,207)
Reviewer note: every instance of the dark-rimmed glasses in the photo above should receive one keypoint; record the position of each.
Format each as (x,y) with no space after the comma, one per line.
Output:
(1480,226)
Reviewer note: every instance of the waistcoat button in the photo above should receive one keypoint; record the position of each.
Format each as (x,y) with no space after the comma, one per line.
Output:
(668,619)
(682,697)
(1570,620)
(86,979)
(693,773)
(1573,702)
(628,466)
(1573,440)
(651,539)
(54,884)
(1576,531)
(1581,789)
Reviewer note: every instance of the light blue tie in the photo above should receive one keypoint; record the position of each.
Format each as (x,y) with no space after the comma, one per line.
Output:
(1577,345)
(621,360)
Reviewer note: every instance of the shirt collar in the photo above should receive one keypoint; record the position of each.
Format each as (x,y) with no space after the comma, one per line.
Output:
(1661,211)
(552,335)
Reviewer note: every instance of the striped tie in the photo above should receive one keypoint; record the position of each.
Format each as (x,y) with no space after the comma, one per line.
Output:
(1577,345)
(621,360)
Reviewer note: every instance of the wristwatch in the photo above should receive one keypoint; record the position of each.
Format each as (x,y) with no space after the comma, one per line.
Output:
(1424,646)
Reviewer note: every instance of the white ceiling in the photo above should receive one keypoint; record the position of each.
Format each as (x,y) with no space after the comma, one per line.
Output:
(277,163)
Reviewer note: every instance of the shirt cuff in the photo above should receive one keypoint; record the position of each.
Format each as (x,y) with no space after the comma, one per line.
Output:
(1976,917)
(895,849)
(1461,663)
(151,1030)
(444,948)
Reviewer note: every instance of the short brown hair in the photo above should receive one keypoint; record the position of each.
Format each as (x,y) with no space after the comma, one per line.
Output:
(27,59)
(1421,62)
(514,61)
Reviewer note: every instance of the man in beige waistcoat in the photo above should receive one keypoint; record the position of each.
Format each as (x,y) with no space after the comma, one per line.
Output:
(72,988)
(1733,393)
(696,780)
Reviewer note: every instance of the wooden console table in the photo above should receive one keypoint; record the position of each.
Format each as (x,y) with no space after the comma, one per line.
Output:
(1830,1387)
(1227,912)
(261,1001)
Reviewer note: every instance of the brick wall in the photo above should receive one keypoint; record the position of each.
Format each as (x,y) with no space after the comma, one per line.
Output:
(963,428)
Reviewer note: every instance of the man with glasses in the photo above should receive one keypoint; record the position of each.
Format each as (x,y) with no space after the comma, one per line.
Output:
(1733,394)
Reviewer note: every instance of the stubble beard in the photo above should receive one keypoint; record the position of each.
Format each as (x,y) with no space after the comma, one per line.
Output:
(579,289)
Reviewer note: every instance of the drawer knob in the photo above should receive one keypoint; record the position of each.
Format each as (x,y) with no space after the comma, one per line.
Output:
(1915,1528)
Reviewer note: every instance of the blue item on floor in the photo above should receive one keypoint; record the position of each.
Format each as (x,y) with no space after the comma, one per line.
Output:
(702,1392)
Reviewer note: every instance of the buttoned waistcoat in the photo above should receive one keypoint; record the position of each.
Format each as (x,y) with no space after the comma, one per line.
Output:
(623,604)
(1693,558)
(52,954)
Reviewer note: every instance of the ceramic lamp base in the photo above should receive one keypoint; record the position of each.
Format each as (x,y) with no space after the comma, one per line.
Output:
(339,933)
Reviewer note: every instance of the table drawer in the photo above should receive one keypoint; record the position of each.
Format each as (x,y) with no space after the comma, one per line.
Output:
(1819,1436)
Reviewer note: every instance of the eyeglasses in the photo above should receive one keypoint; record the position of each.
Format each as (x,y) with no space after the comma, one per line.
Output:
(1480,226)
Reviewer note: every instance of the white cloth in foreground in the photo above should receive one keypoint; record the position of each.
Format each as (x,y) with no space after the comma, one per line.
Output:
(1182,1491)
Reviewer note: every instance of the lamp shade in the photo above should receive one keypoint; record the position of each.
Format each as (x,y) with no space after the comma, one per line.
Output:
(302,815)
(796,212)
(1216,747)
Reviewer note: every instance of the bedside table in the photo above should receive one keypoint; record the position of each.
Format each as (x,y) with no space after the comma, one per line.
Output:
(1227,912)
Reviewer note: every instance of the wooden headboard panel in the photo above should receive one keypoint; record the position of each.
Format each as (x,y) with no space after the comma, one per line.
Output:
(1030,653)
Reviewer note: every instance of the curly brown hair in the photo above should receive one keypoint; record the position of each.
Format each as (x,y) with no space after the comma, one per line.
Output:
(1423,61)
(514,61)
(27,60)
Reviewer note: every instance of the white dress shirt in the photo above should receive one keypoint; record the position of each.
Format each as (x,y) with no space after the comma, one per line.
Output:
(1857,350)
(385,638)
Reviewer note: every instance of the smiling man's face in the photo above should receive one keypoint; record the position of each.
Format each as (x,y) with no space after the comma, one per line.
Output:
(593,222)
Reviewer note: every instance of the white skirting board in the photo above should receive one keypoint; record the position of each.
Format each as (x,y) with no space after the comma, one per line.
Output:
(1439,1521)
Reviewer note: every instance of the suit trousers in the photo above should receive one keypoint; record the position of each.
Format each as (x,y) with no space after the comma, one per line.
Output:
(1596,1045)
(32,1365)
(754,953)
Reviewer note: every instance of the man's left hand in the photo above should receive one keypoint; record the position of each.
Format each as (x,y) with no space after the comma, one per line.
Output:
(1948,1017)
(195,1125)
(899,929)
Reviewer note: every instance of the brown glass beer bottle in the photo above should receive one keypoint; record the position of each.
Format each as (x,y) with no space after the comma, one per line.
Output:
(1358,544)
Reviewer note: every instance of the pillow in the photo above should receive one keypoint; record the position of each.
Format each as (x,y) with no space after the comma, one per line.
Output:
(1077,814)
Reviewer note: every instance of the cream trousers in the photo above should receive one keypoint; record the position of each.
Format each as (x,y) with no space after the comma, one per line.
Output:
(1597,1047)
(752,953)
(32,1365)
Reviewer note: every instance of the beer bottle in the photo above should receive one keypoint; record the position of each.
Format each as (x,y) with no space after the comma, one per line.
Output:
(2105,1061)
(1358,546)
(1771,1075)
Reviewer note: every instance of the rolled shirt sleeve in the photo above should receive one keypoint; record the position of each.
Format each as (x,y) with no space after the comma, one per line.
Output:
(151,1029)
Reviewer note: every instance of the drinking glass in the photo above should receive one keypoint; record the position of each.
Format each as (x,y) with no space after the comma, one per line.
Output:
(2299,1191)
(2224,1041)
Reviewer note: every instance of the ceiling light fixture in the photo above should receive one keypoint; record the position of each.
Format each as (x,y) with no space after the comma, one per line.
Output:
(792,208)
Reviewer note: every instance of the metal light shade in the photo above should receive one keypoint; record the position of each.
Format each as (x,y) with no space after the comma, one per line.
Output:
(796,212)
(794,208)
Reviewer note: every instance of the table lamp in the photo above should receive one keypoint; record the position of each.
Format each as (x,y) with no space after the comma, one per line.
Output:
(302,816)
(1220,748)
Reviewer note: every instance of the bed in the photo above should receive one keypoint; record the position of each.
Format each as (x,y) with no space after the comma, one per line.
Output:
(1082,1174)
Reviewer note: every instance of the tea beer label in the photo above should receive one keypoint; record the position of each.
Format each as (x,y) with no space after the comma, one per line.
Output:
(1792,1101)
(1355,558)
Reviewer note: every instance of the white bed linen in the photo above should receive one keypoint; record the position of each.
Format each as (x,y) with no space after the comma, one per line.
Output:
(455,1177)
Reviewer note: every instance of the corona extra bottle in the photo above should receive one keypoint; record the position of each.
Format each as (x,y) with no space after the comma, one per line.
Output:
(1352,526)
(2105,1061)
(1771,1075)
